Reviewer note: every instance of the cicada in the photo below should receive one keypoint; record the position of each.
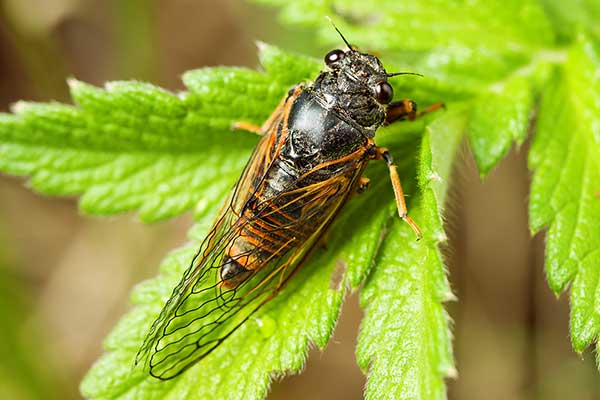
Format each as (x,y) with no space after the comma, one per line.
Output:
(310,159)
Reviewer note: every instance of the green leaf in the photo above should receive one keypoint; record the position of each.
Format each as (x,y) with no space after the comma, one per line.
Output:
(498,118)
(405,342)
(565,192)
(275,341)
(463,45)
(133,146)
(570,18)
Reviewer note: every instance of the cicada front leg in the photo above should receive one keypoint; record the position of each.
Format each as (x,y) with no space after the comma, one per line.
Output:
(398,111)
(247,126)
(407,109)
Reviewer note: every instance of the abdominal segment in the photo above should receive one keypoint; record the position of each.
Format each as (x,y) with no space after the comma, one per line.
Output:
(263,237)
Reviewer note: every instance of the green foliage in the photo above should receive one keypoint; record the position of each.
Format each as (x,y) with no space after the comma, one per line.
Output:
(461,48)
(133,146)
(565,193)
(404,339)
(499,59)
(486,52)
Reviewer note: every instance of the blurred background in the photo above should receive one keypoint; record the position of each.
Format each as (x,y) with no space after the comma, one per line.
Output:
(65,278)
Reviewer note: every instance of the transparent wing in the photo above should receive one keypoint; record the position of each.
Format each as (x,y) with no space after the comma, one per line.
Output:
(203,311)
(198,304)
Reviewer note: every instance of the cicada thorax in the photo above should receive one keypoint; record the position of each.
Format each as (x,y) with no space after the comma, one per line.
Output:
(315,156)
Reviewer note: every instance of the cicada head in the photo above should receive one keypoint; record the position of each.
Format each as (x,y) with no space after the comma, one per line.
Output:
(361,71)
(355,84)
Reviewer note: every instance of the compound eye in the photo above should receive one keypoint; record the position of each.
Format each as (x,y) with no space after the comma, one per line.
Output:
(384,93)
(334,56)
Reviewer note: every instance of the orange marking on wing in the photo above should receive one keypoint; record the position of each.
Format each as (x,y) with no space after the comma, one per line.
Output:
(266,243)
(274,271)
(273,226)
(259,245)
(354,155)
(273,237)
(309,190)
(285,215)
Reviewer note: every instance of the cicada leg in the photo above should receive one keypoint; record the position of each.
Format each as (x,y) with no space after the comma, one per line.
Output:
(407,109)
(381,153)
(247,126)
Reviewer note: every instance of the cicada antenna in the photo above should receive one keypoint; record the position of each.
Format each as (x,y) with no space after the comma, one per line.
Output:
(402,73)
(340,33)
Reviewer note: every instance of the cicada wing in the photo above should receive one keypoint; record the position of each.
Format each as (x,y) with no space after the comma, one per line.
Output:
(203,312)
(207,312)
(199,291)
(203,269)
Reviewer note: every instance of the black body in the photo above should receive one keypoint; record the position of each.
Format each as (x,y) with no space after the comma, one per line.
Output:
(328,121)
(313,151)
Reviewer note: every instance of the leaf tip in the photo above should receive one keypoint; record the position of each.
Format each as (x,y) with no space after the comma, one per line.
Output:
(261,46)
(19,107)
(434,177)
(441,237)
(74,83)
(452,373)
(449,296)
(579,350)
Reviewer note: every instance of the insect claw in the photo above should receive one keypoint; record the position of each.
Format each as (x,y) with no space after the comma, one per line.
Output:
(413,226)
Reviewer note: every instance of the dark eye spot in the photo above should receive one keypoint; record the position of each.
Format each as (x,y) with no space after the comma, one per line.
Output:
(334,56)
(384,93)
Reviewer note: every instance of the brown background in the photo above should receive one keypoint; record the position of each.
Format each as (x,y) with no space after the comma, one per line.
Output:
(71,274)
